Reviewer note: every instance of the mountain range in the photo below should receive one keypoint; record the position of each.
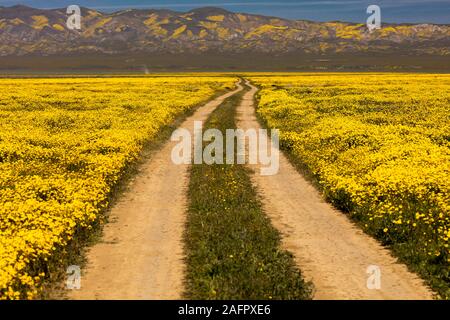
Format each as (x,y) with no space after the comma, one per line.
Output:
(26,31)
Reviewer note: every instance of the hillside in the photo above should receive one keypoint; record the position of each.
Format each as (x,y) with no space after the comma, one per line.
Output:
(26,31)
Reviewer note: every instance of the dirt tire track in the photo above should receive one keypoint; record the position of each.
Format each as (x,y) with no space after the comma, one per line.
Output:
(141,252)
(329,249)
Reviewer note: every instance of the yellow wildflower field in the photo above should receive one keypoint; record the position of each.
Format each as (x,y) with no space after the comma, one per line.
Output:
(64,145)
(378,145)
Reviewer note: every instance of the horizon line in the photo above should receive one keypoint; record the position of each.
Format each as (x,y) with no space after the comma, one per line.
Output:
(155,8)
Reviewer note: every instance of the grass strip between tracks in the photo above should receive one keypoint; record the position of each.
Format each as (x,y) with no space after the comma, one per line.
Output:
(232,250)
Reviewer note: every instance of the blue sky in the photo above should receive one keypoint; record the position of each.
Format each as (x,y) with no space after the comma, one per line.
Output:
(399,11)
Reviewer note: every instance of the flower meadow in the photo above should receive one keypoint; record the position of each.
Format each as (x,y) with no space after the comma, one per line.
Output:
(64,145)
(378,147)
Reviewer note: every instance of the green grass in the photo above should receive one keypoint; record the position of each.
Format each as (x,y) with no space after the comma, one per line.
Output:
(54,286)
(233,252)
(431,269)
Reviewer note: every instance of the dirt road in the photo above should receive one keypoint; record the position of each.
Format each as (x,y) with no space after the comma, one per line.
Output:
(141,252)
(329,249)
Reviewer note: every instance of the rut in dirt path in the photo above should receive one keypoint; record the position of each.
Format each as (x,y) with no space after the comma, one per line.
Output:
(329,249)
(141,252)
